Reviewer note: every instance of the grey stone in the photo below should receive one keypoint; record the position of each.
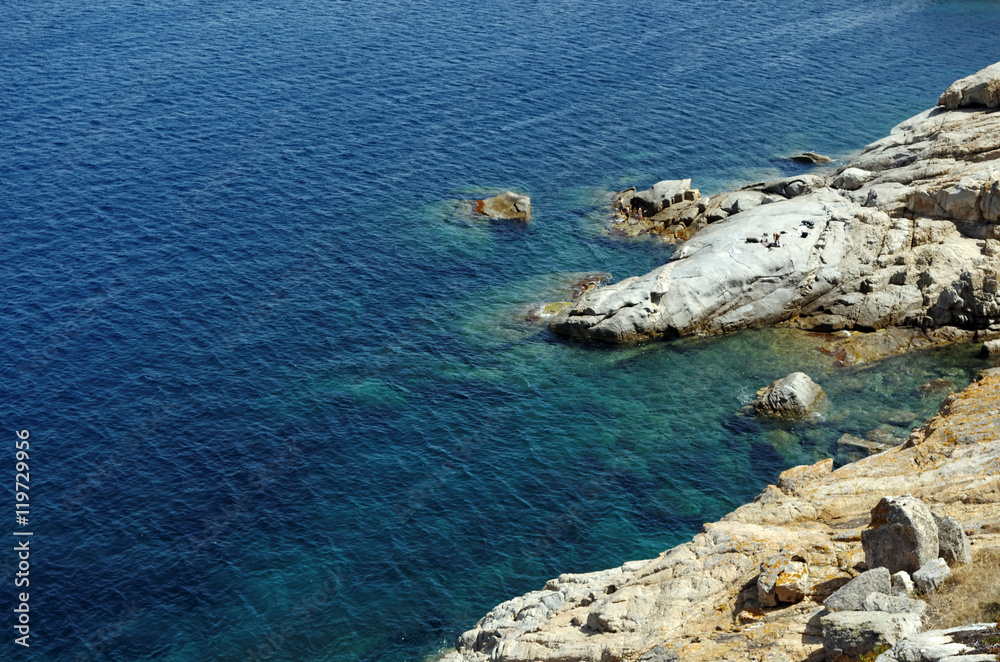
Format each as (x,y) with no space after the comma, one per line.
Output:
(662,194)
(902,535)
(811,157)
(794,186)
(931,575)
(849,634)
(933,646)
(953,544)
(795,395)
(893,604)
(851,596)
(851,179)
(902,585)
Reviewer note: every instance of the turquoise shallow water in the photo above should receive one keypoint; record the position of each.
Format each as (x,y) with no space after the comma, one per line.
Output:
(282,401)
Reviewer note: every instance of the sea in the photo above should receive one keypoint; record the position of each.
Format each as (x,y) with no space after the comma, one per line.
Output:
(278,396)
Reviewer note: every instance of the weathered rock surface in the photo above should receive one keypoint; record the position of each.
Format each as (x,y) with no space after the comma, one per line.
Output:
(811,157)
(793,396)
(671,210)
(849,634)
(699,601)
(980,89)
(783,578)
(506,205)
(953,544)
(851,596)
(939,645)
(990,348)
(931,575)
(911,238)
(902,535)
(902,584)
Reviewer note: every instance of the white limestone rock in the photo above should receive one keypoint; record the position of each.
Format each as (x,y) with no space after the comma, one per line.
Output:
(931,575)
(980,89)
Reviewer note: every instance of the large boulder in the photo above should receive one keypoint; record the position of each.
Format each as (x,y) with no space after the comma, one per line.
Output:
(849,634)
(851,596)
(902,535)
(506,205)
(793,396)
(664,194)
(953,544)
(980,89)
(893,604)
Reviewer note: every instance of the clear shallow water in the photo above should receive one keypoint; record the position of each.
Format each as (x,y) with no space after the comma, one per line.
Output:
(277,389)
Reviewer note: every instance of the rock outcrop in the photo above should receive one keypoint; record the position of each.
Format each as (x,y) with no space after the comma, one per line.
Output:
(709,599)
(506,205)
(906,234)
(794,396)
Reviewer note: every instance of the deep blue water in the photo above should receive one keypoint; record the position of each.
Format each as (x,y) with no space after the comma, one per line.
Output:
(281,404)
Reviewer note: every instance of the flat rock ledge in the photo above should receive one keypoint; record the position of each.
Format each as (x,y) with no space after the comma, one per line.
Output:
(905,235)
(760,579)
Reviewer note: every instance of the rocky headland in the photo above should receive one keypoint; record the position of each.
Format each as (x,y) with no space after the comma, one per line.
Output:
(905,239)
(907,234)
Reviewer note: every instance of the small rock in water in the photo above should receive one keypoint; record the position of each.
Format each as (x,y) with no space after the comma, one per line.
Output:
(793,396)
(851,443)
(811,157)
(506,205)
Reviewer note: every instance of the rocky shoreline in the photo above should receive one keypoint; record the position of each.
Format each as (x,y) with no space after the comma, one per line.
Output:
(701,600)
(905,240)
(907,234)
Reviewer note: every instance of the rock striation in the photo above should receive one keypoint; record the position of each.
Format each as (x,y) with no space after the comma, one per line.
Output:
(753,585)
(906,234)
